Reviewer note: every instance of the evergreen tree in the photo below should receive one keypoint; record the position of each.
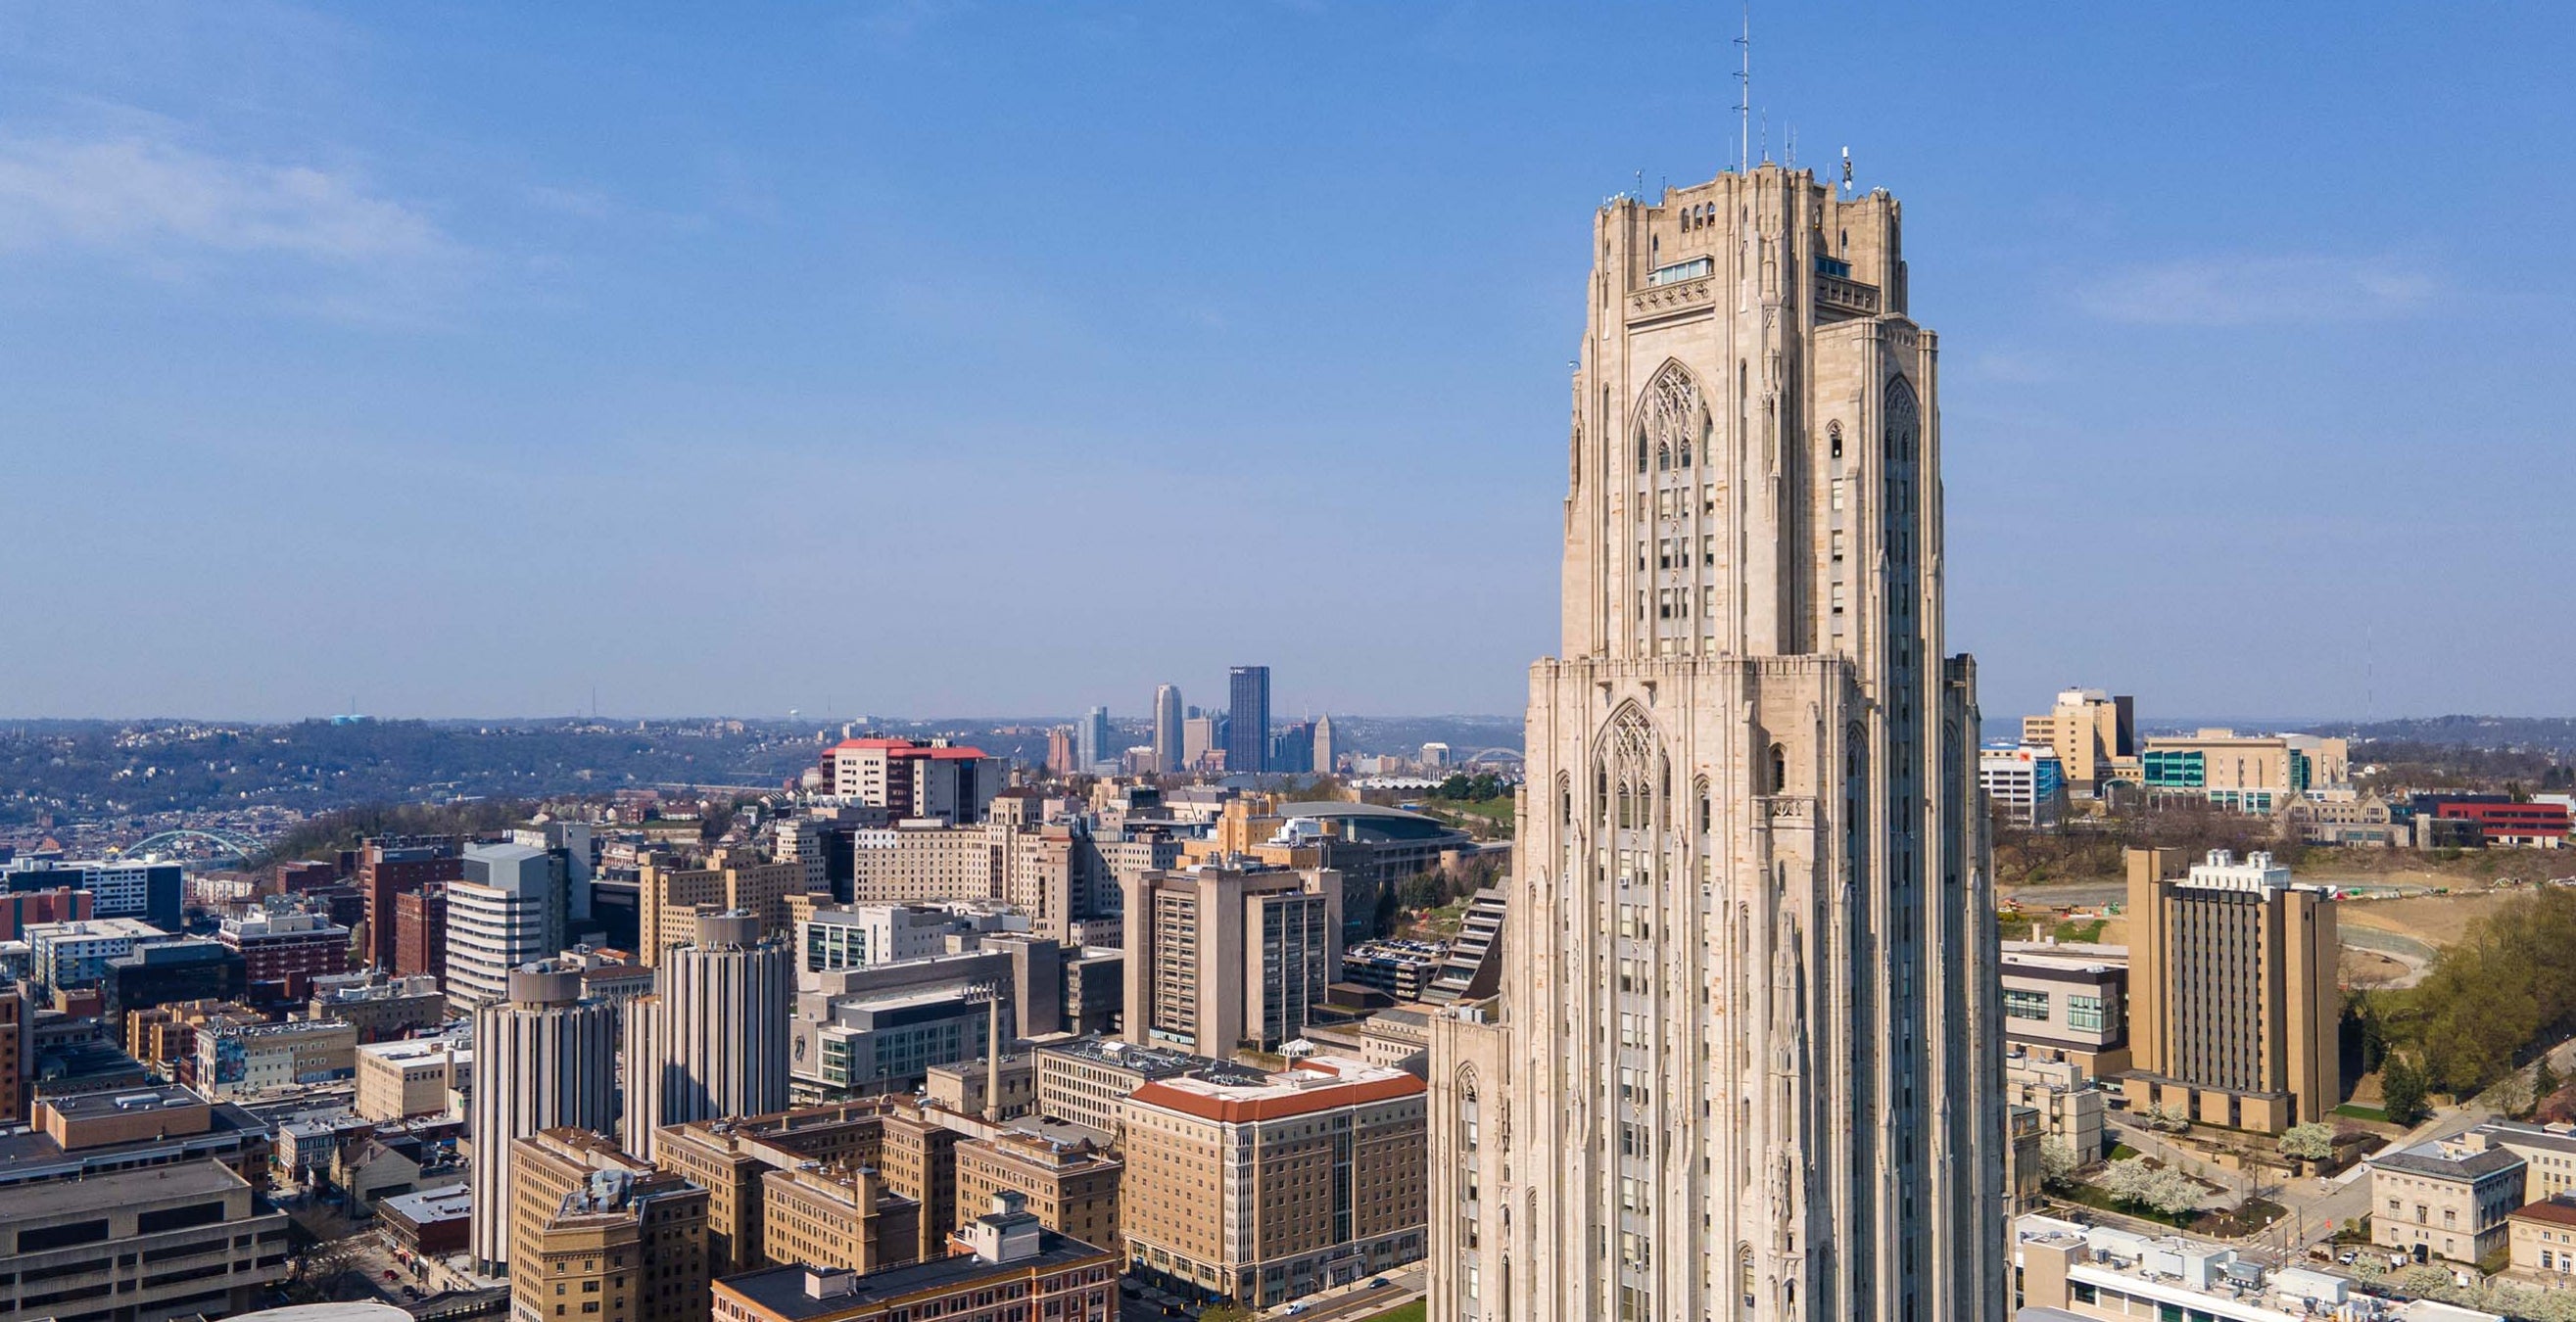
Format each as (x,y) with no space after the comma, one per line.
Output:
(2401,1088)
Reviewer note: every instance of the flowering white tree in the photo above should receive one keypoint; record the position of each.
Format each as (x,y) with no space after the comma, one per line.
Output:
(2313,1141)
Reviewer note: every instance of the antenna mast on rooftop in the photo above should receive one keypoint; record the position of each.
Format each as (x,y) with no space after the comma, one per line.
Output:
(1744,98)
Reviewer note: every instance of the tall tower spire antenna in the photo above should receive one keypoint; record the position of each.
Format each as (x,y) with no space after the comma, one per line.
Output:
(1744,97)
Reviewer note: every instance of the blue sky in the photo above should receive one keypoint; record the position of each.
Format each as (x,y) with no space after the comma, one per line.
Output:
(987,358)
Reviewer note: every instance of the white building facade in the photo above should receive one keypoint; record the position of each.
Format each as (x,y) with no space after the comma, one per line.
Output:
(510,917)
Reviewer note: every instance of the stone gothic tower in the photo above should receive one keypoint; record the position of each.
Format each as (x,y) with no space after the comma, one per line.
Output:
(1745,1063)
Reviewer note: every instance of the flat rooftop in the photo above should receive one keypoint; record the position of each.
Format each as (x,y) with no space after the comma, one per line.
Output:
(1152,1062)
(101,1193)
(781,1290)
(1315,1084)
(124,1101)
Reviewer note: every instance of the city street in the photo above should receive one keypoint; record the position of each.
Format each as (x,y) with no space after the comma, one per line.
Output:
(1403,1286)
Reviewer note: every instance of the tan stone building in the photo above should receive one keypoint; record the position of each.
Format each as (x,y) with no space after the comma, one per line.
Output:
(1749,983)
(1223,957)
(1265,1191)
(926,861)
(2448,1198)
(596,1234)
(1004,1257)
(2542,1239)
(1087,1081)
(727,1158)
(414,1077)
(672,892)
(965,1086)
(1070,1185)
(2094,735)
(2347,819)
(2548,1153)
(2234,1008)
(837,1216)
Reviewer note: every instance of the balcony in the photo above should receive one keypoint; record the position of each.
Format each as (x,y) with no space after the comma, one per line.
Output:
(1851,297)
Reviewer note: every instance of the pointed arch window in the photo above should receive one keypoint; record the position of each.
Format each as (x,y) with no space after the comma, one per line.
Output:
(1670,416)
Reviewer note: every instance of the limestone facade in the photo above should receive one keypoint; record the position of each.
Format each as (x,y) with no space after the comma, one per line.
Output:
(1745,1061)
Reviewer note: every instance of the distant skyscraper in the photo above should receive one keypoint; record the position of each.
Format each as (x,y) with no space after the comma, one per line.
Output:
(543,1057)
(1745,1060)
(1198,739)
(1167,728)
(711,1040)
(1324,750)
(1247,719)
(1092,739)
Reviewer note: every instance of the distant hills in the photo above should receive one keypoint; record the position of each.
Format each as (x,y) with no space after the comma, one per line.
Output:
(87,770)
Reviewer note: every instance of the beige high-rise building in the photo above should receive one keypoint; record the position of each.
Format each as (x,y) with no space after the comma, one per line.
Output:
(544,1058)
(1745,1058)
(2094,735)
(2234,1009)
(671,894)
(1222,957)
(711,1040)
(1167,731)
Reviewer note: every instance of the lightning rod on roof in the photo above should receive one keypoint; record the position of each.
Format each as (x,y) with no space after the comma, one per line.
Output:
(1744,98)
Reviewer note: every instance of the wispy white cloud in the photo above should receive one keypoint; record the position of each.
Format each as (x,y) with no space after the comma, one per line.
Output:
(2246,290)
(161,204)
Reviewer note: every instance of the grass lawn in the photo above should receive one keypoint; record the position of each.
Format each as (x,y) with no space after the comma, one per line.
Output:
(2357,1111)
(2121,1152)
(1417,1311)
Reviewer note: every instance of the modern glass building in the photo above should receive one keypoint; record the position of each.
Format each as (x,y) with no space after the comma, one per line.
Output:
(1247,727)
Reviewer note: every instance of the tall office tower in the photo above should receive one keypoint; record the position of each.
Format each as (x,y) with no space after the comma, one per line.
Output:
(712,1038)
(1324,751)
(1247,719)
(543,1057)
(508,910)
(2233,1003)
(1167,729)
(1093,744)
(1745,1060)
(1220,958)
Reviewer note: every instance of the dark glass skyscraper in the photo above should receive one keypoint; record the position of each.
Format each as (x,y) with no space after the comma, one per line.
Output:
(1247,725)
